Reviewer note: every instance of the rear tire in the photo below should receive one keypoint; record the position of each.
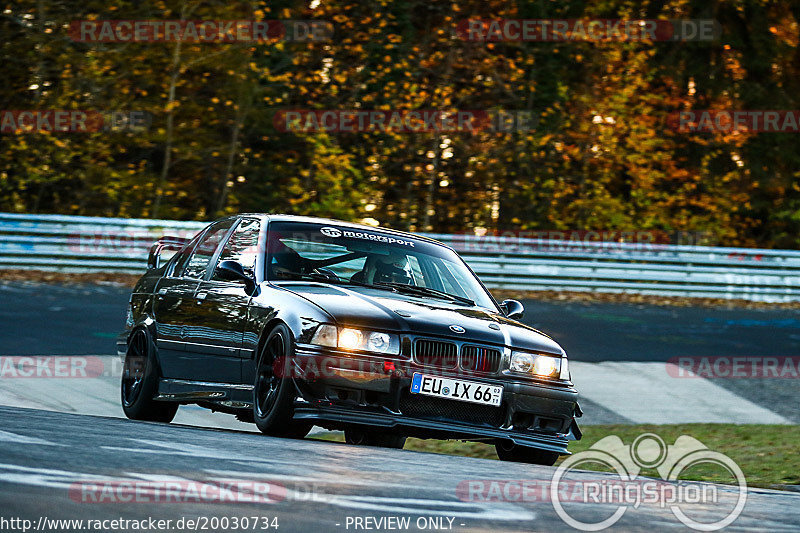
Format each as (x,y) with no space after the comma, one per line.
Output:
(139,384)
(274,392)
(366,437)
(523,454)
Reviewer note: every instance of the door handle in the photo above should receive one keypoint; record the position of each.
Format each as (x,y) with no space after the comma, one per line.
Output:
(201,296)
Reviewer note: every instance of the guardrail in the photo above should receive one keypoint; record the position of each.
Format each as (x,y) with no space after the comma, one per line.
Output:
(71,243)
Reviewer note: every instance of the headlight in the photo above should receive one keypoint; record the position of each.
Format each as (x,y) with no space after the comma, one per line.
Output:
(350,339)
(538,365)
(356,339)
(521,362)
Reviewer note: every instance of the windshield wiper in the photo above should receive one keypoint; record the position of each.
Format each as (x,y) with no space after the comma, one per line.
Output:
(425,291)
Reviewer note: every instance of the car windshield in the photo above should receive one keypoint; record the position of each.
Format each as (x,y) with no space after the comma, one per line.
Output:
(361,257)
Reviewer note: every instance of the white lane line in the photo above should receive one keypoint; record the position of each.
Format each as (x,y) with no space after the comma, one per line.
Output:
(427,507)
(332,478)
(209,454)
(7,436)
(190,450)
(323,491)
(64,479)
(47,477)
(236,474)
(646,393)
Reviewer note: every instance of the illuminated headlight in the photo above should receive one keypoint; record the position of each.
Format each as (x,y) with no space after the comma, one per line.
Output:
(538,365)
(350,339)
(356,339)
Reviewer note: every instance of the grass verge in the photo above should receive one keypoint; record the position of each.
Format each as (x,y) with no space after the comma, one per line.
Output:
(769,455)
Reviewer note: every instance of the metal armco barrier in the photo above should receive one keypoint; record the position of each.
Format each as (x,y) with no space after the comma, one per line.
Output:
(73,243)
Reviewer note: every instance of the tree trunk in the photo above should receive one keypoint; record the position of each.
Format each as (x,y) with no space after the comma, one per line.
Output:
(170,130)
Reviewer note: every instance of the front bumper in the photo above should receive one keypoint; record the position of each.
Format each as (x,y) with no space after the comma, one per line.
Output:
(341,388)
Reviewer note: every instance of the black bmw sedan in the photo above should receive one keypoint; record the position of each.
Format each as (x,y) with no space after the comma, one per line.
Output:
(290,322)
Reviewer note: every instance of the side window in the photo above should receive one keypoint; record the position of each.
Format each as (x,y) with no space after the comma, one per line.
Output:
(182,257)
(198,261)
(242,246)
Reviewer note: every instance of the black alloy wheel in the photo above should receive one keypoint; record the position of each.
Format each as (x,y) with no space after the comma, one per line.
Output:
(139,384)
(274,391)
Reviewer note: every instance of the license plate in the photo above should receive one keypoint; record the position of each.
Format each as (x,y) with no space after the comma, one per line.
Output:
(456,389)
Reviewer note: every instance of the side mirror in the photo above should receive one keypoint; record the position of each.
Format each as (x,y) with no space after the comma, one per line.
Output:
(512,309)
(229,270)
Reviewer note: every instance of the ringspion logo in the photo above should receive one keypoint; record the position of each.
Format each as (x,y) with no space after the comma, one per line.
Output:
(627,461)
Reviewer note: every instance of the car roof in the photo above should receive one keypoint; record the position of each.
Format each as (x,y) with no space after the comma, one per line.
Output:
(279,217)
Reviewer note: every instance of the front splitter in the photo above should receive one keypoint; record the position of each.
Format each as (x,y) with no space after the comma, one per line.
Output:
(441,429)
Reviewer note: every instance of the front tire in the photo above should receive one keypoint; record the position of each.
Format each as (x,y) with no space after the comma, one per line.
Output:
(139,384)
(523,454)
(274,392)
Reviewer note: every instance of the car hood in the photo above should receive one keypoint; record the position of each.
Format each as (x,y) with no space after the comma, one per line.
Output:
(378,309)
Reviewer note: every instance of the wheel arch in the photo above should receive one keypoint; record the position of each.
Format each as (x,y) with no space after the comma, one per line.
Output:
(271,324)
(147,324)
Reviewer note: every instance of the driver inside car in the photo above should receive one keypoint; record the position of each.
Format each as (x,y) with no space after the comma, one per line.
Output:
(392,268)
(286,263)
